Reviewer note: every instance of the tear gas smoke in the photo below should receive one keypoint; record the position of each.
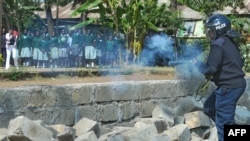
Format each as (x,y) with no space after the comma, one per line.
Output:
(158,49)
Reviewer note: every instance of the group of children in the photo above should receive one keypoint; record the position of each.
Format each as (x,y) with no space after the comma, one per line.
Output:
(70,48)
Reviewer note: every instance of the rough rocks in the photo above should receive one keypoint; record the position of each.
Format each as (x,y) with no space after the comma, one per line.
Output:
(148,111)
(192,126)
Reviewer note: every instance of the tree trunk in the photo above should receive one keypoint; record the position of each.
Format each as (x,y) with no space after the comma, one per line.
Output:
(118,32)
(1,23)
(83,18)
(174,5)
(17,14)
(49,19)
(6,19)
(126,48)
(57,15)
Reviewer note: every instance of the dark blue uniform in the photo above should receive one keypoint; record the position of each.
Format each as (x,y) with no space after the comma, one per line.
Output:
(225,64)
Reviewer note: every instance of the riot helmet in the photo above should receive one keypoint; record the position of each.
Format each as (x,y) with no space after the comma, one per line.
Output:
(217,25)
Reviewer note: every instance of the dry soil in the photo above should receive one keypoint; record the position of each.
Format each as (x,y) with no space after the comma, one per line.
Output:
(157,74)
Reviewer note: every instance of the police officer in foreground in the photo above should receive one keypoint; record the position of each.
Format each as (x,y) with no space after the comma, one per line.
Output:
(224,66)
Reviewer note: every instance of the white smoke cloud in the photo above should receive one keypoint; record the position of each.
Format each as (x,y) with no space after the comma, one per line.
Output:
(161,42)
(157,49)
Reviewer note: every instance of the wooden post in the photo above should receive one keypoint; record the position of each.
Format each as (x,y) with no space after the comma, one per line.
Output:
(1,23)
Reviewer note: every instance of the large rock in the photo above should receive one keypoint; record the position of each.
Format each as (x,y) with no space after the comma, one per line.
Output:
(85,125)
(186,105)
(161,124)
(89,136)
(140,133)
(242,115)
(3,134)
(165,112)
(64,133)
(115,134)
(23,129)
(196,119)
(179,132)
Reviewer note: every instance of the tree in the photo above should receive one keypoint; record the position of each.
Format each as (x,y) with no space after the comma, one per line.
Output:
(133,18)
(20,13)
(84,8)
(240,22)
(47,8)
(209,7)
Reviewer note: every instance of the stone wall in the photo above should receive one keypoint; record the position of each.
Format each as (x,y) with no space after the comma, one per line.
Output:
(103,102)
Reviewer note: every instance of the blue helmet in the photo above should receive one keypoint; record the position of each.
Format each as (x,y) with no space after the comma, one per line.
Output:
(218,24)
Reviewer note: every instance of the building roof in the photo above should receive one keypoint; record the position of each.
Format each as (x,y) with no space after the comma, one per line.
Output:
(185,12)
(188,13)
(64,12)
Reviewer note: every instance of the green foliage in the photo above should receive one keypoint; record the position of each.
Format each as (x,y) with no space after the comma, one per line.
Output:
(208,7)
(89,4)
(20,13)
(239,22)
(84,23)
(134,18)
(130,15)
(245,52)
(15,75)
(242,25)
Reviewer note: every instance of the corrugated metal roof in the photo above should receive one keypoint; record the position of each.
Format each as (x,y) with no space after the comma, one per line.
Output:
(64,12)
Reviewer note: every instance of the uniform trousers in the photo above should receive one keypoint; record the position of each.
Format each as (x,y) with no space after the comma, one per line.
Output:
(220,106)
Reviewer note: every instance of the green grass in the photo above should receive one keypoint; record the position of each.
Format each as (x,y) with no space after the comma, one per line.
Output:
(25,73)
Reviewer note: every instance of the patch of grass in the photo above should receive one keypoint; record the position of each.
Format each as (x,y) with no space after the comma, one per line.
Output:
(127,72)
(37,76)
(82,73)
(15,75)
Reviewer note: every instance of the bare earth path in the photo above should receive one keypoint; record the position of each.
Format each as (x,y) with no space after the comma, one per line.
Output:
(136,76)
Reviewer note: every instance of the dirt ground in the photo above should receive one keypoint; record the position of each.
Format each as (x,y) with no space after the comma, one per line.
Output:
(135,76)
